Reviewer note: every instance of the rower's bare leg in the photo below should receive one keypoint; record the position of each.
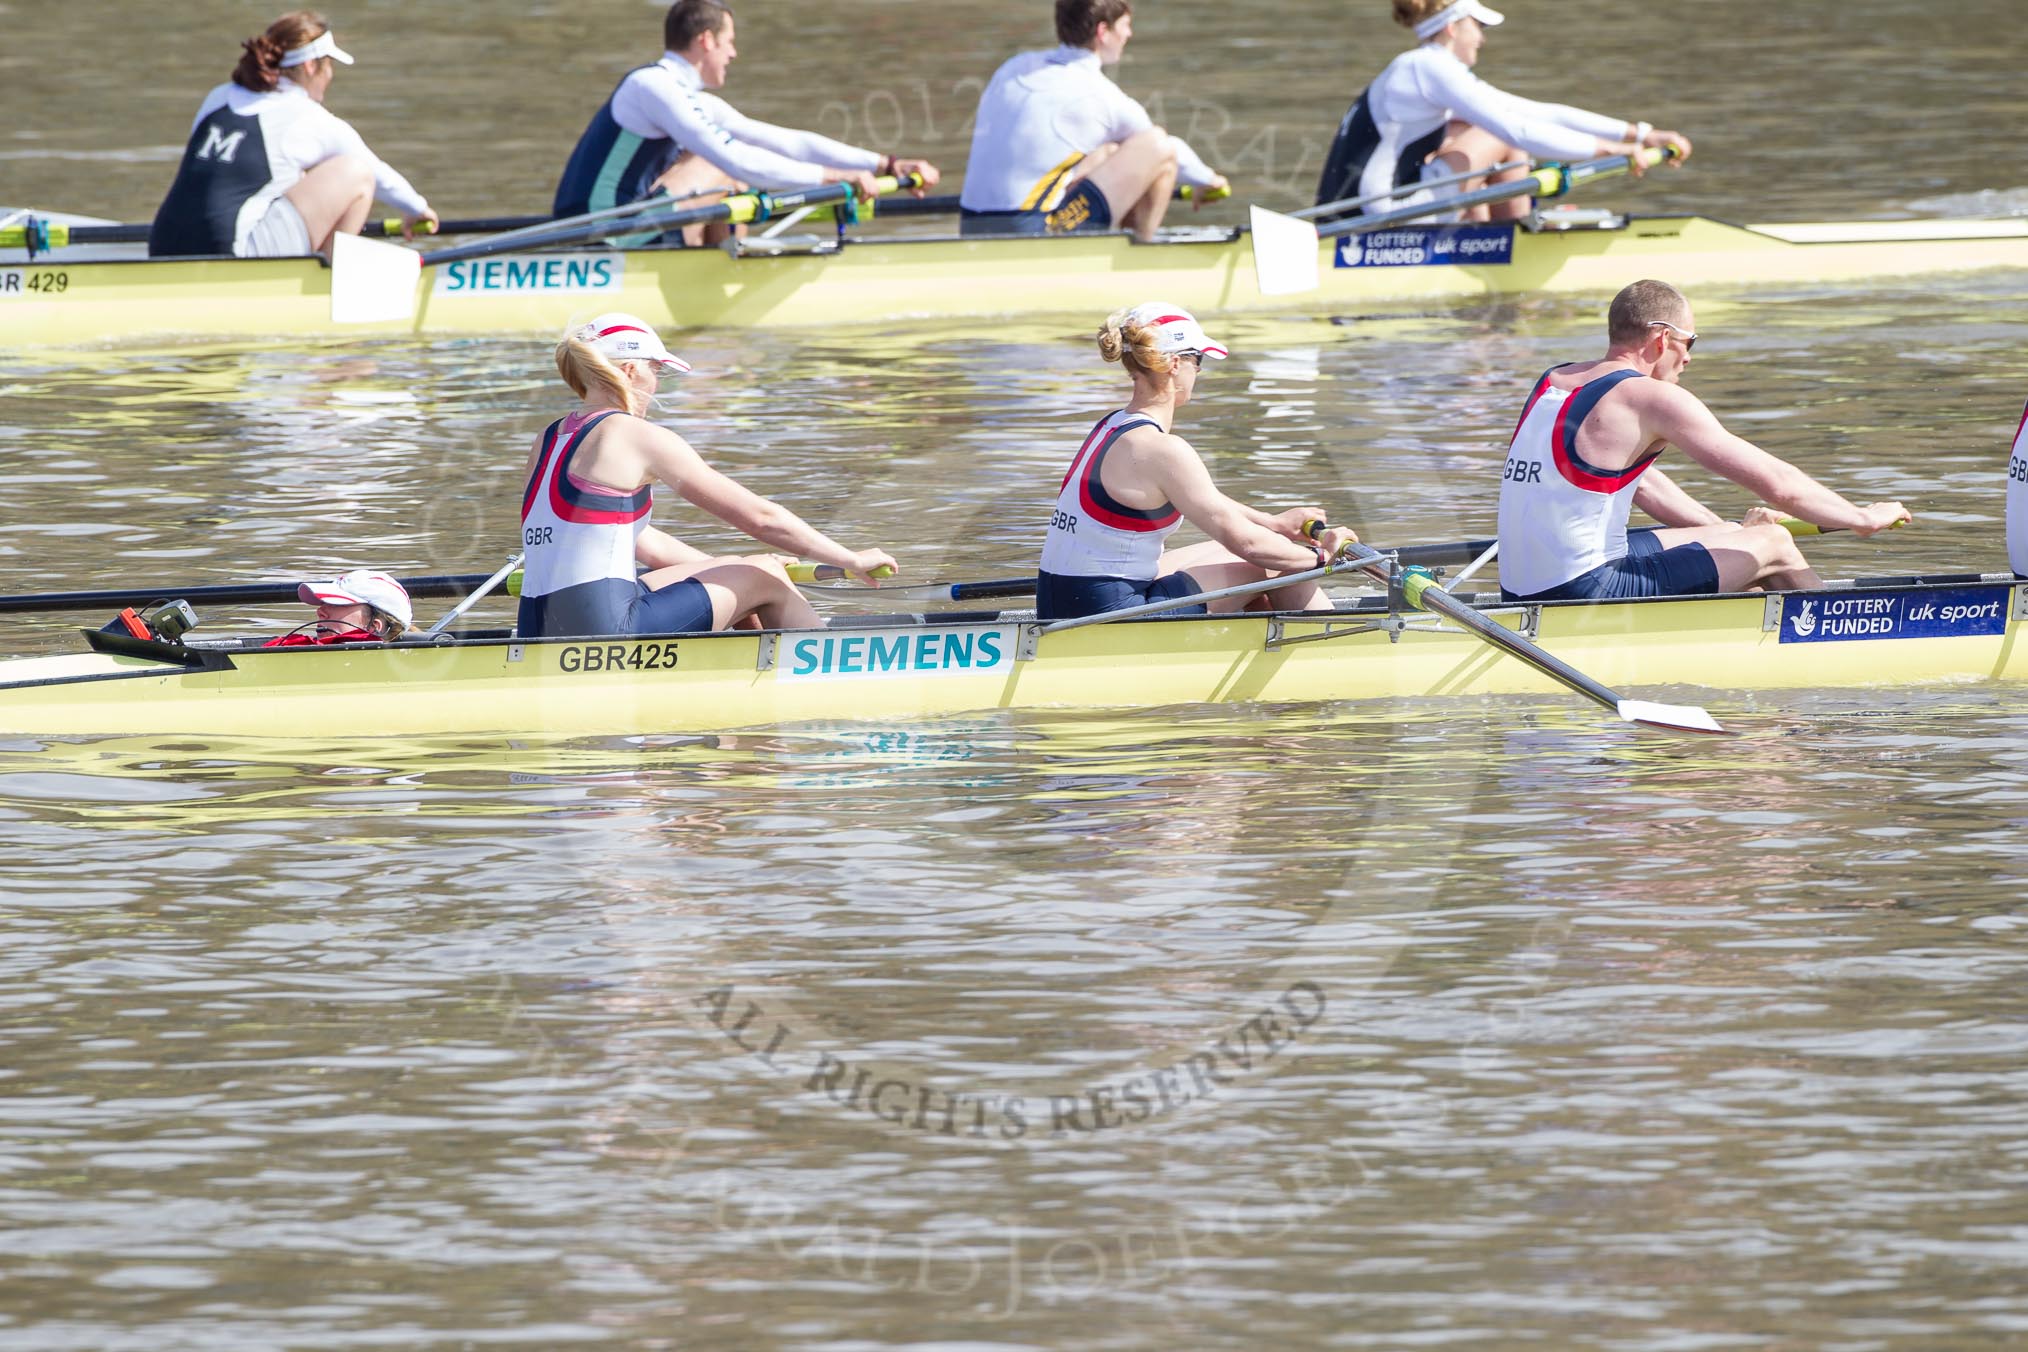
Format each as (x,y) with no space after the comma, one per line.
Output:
(1141,173)
(756,587)
(695,174)
(1749,557)
(1467,147)
(334,196)
(1212,567)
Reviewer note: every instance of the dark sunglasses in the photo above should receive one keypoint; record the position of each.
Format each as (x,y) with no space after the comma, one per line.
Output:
(1689,338)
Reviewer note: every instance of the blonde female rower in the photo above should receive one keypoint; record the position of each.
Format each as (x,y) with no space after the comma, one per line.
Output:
(584,513)
(1134,481)
(1428,116)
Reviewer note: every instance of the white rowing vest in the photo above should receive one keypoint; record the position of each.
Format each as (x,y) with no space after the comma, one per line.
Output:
(1560,517)
(2017,500)
(1093,534)
(572,533)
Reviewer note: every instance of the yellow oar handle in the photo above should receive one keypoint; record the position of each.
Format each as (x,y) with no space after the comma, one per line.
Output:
(1798,527)
(831,572)
(1190,194)
(392,226)
(48,236)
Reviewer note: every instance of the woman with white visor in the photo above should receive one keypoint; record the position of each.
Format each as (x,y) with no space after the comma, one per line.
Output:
(1427,116)
(268,171)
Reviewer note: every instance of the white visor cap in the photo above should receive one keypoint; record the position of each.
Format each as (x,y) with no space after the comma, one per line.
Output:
(1177,330)
(322,45)
(621,337)
(1450,14)
(361,587)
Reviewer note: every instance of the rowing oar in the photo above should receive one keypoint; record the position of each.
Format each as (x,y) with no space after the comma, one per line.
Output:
(459,585)
(1419,588)
(39,236)
(444,587)
(478,593)
(1323,209)
(375,283)
(947,205)
(1457,553)
(1285,247)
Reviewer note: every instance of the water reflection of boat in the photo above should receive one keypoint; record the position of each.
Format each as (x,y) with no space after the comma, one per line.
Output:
(1879,632)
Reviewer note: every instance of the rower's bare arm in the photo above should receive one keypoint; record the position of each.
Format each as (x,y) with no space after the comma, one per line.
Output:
(1667,502)
(1184,480)
(1673,414)
(677,464)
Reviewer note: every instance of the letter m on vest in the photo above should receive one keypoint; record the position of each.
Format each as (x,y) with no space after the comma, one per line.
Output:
(220,146)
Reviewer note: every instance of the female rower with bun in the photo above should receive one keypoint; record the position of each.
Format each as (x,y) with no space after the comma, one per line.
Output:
(1428,116)
(1134,481)
(584,513)
(268,172)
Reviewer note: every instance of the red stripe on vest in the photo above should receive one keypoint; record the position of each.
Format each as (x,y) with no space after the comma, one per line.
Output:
(1105,517)
(1567,466)
(584,516)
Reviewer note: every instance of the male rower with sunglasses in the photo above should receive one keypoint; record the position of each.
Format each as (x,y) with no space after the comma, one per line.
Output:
(1583,456)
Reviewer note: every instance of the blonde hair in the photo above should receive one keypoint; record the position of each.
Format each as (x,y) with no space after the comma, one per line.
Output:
(1134,346)
(1409,13)
(584,368)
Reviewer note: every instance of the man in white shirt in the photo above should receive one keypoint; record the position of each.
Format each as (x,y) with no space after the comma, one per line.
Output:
(660,131)
(1058,147)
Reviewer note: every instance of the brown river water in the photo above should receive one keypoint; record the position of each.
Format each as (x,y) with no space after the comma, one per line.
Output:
(1372,1025)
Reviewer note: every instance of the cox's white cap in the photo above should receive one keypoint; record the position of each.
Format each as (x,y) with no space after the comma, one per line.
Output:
(1177,330)
(1450,14)
(361,587)
(321,45)
(620,337)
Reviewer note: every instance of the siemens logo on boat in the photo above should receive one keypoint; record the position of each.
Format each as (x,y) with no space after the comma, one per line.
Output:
(878,653)
(1944,612)
(531,274)
(1414,246)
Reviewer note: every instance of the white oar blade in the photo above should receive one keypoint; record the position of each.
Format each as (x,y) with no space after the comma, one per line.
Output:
(1669,717)
(1284,253)
(372,282)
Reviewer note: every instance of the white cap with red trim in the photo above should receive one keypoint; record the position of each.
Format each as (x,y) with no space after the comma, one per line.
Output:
(1176,329)
(361,587)
(621,337)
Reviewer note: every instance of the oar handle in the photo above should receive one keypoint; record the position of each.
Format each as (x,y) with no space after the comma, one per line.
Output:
(1797,526)
(831,572)
(1187,193)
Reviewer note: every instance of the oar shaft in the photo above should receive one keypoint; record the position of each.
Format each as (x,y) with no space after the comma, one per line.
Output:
(1354,203)
(1549,180)
(442,587)
(478,593)
(1422,593)
(739,209)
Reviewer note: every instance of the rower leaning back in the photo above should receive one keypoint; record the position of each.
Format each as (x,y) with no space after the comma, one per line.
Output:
(268,171)
(1058,148)
(660,131)
(1583,456)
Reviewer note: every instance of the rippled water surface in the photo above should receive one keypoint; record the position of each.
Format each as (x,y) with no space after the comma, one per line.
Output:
(1468,1023)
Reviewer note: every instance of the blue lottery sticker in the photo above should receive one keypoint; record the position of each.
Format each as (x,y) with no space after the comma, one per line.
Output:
(1942,612)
